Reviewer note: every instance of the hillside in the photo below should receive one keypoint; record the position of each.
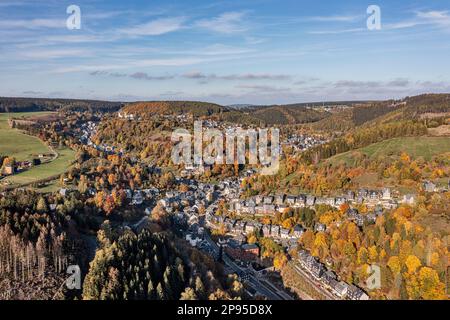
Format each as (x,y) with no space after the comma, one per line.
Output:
(382,112)
(418,107)
(12,104)
(275,115)
(341,121)
(196,108)
(416,147)
(288,115)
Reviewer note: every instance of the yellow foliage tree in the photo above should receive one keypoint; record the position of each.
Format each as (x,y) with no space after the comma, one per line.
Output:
(412,263)
(373,254)
(431,287)
(280,260)
(394,265)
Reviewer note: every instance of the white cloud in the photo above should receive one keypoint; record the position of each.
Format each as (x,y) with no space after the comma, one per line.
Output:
(156,27)
(54,54)
(33,23)
(340,18)
(441,18)
(227,23)
(337,31)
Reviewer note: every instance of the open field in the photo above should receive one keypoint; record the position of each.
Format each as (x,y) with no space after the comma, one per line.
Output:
(416,147)
(16,144)
(55,167)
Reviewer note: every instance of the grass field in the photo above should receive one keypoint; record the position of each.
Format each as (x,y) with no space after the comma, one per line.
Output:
(16,144)
(56,167)
(22,146)
(416,147)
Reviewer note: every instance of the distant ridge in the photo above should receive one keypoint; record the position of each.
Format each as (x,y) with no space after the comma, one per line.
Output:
(195,108)
(18,104)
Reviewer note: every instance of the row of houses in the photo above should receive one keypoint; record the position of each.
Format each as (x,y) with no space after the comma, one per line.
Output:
(369,218)
(301,142)
(279,203)
(242,227)
(198,195)
(329,279)
(429,186)
(88,131)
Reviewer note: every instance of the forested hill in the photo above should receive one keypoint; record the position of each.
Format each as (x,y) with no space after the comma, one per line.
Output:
(256,115)
(195,108)
(288,114)
(12,104)
(382,112)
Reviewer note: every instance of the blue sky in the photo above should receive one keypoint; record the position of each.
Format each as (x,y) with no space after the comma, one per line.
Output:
(247,51)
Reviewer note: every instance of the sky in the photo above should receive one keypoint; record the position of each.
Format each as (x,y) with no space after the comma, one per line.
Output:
(227,52)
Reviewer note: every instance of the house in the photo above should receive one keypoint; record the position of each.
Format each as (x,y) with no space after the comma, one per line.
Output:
(63,192)
(320,200)
(373,195)
(371,217)
(378,210)
(315,267)
(284,233)
(245,252)
(249,227)
(352,213)
(409,199)
(330,201)
(363,193)
(266,230)
(290,200)
(355,293)
(259,199)
(128,193)
(193,239)
(310,200)
(269,208)
(268,200)
(279,199)
(429,186)
(301,200)
(386,194)
(275,231)
(250,203)
(320,227)
(230,224)
(240,226)
(138,199)
(350,196)
(340,288)
(259,210)
(250,251)
(282,208)
(328,277)
(298,231)
(91,191)
(339,201)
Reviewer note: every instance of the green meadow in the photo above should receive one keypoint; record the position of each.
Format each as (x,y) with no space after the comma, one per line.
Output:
(425,147)
(15,143)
